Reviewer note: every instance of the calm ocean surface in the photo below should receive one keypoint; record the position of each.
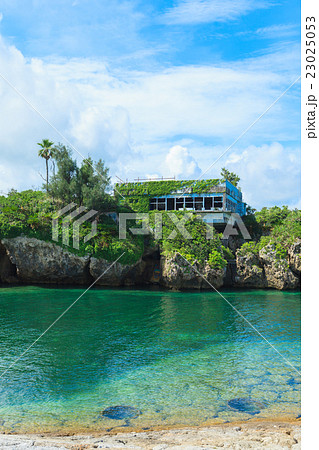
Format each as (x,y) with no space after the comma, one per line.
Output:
(177,358)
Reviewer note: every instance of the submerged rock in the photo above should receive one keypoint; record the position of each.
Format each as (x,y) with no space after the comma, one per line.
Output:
(121,412)
(293,382)
(246,405)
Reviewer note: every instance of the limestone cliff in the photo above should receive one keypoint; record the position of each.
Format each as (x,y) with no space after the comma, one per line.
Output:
(179,274)
(117,274)
(250,272)
(35,261)
(29,260)
(267,270)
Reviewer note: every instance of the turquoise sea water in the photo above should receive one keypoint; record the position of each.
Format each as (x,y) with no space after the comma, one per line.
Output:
(178,358)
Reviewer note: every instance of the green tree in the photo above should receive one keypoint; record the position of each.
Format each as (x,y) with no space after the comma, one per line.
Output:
(46,151)
(93,182)
(63,184)
(268,218)
(230,176)
(85,185)
(254,228)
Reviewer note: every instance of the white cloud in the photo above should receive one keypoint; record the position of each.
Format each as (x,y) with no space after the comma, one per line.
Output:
(150,176)
(190,12)
(76,28)
(12,175)
(270,174)
(180,163)
(132,119)
(277,31)
(102,128)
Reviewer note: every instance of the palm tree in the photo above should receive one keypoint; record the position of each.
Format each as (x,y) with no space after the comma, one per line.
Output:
(46,151)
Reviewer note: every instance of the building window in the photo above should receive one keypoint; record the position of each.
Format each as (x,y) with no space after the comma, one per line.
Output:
(153,204)
(179,203)
(170,204)
(189,202)
(161,204)
(218,202)
(208,203)
(230,205)
(199,203)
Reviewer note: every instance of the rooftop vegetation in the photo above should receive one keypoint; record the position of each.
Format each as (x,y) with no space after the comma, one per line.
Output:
(137,195)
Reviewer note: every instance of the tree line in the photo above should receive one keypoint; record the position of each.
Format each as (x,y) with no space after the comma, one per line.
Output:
(88,183)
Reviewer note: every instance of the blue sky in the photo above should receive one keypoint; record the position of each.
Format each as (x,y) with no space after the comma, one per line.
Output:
(155,88)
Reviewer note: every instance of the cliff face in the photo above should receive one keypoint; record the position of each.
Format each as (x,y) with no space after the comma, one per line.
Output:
(267,270)
(28,260)
(35,261)
(294,258)
(110,274)
(179,274)
(249,272)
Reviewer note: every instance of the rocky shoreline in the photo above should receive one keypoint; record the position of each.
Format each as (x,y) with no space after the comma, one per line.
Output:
(274,435)
(29,260)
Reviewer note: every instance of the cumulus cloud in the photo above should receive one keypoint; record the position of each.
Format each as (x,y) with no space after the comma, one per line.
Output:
(180,163)
(102,128)
(61,100)
(130,120)
(190,12)
(270,174)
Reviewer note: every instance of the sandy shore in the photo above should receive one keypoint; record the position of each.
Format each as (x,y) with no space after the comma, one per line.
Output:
(258,435)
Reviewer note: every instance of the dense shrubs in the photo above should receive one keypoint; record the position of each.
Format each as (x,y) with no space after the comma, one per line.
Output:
(198,248)
(29,213)
(280,226)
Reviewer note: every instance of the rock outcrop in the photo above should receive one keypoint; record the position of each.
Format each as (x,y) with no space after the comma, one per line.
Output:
(38,261)
(179,274)
(250,272)
(267,270)
(278,274)
(29,260)
(7,269)
(294,257)
(116,274)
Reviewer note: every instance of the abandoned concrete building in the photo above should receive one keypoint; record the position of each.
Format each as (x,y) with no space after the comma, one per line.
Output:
(213,199)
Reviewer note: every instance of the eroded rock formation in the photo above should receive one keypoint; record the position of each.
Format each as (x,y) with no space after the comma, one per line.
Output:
(29,260)
(43,262)
(267,270)
(179,274)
